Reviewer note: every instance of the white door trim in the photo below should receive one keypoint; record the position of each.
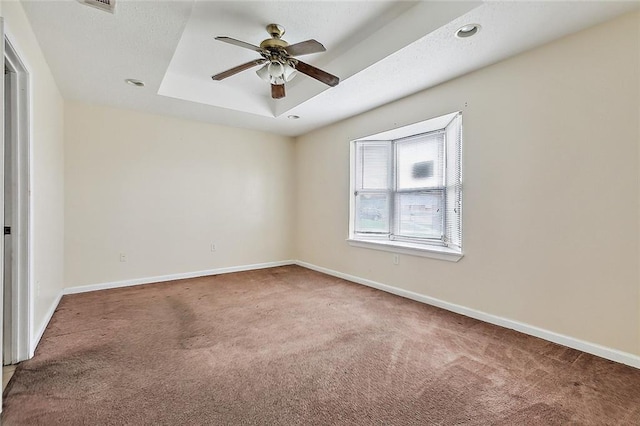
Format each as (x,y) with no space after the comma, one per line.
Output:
(21,304)
(2,36)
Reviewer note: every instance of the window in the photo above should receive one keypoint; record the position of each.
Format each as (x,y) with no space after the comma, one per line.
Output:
(407,189)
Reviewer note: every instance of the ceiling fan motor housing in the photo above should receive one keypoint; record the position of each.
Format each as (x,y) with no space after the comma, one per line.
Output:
(275,42)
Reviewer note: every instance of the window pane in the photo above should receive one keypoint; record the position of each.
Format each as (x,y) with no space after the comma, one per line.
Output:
(372,165)
(372,213)
(420,214)
(420,162)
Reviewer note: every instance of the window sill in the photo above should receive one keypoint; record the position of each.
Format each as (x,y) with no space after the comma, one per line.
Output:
(442,253)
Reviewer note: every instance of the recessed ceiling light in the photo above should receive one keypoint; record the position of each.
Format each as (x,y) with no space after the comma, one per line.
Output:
(468,30)
(293,117)
(134,82)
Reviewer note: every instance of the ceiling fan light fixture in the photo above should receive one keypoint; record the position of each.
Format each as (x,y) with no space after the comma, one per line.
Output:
(263,73)
(276,72)
(276,69)
(278,60)
(289,72)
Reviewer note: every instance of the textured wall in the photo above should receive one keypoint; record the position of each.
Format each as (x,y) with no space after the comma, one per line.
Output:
(551,189)
(161,190)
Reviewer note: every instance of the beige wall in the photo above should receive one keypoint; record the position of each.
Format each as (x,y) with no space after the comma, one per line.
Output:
(47,167)
(551,189)
(161,190)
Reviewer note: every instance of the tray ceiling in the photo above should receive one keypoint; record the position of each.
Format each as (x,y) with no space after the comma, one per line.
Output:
(381,50)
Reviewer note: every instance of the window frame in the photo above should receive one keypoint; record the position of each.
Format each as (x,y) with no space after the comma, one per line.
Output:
(435,247)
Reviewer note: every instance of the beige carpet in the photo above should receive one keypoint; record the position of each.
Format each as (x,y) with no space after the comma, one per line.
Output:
(289,346)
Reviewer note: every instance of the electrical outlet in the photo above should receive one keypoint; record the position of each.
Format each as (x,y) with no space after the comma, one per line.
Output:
(123,257)
(213,247)
(396,259)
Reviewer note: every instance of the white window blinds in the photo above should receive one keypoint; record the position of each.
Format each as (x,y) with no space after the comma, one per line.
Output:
(409,189)
(372,187)
(372,170)
(419,188)
(453,136)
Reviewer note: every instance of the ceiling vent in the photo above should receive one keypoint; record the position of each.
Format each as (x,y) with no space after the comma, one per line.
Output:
(106,5)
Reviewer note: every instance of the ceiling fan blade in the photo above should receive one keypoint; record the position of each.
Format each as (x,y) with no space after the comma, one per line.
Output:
(317,73)
(236,70)
(305,48)
(238,43)
(277,91)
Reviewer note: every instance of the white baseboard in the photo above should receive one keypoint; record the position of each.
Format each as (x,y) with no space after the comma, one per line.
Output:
(126,283)
(581,345)
(163,278)
(43,325)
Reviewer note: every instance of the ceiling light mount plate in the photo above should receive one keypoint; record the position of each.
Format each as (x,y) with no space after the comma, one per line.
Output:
(468,30)
(275,30)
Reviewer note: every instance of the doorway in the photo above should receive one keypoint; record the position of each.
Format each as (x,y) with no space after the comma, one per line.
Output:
(16,307)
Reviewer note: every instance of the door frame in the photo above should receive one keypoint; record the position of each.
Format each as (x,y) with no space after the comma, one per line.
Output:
(21,294)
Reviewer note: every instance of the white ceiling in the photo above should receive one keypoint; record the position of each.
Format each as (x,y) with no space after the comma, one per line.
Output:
(381,50)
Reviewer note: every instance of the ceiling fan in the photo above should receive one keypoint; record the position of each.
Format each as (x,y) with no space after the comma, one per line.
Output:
(280,64)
